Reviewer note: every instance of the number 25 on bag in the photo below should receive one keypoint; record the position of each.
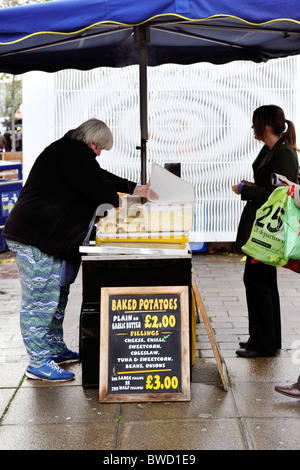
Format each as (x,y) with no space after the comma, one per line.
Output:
(266,242)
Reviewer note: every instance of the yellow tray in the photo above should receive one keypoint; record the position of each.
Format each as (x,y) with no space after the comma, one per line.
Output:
(150,245)
(135,239)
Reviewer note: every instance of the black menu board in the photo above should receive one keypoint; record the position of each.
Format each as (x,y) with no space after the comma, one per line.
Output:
(144,344)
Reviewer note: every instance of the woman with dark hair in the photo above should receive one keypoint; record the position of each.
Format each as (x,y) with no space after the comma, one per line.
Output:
(278,155)
(44,230)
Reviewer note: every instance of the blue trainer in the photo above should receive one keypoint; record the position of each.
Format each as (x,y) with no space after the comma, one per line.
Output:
(66,357)
(49,371)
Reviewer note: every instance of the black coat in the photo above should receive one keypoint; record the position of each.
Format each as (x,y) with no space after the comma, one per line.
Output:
(281,159)
(59,199)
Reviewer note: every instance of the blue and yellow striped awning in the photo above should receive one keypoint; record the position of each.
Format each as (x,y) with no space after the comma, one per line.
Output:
(85,34)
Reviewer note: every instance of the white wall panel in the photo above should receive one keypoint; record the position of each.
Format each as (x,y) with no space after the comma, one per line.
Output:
(199,115)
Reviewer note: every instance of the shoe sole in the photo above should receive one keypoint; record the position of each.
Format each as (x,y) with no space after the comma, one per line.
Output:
(29,375)
(286,394)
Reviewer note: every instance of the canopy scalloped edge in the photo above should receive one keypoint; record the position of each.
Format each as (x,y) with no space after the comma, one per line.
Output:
(149,20)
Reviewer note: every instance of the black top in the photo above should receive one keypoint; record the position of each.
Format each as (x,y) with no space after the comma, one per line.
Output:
(58,201)
(281,159)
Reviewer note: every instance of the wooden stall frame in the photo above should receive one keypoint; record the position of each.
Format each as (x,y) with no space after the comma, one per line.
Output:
(184,395)
(212,339)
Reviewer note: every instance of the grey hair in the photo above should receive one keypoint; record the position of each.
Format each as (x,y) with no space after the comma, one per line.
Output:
(95,131)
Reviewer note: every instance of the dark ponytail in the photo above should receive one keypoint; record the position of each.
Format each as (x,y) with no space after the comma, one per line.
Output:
(273,116)
(290,134)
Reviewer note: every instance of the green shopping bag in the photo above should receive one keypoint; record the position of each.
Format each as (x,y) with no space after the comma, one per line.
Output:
(266,241)
(291,225)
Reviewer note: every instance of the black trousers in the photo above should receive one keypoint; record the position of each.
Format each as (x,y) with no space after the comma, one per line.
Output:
(263,307)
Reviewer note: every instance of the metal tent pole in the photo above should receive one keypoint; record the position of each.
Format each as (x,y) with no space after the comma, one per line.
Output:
(142,38)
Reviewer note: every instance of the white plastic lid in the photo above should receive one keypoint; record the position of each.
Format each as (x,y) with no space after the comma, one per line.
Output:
(167,187)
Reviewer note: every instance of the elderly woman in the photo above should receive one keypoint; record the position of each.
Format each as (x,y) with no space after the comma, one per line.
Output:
(45,228)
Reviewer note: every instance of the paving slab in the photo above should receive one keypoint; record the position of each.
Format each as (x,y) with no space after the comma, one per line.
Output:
(274,434)
(187,434)
(84,436)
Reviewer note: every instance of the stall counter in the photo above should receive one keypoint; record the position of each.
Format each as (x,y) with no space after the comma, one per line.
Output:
(114,266)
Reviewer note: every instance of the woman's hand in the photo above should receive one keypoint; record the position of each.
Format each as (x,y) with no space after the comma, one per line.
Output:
(286,181)
(235,189)
(141,190)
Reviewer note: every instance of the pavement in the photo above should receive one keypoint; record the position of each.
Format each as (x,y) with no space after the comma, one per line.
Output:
(250,415)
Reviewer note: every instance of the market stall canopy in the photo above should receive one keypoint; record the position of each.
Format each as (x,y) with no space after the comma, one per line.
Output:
(85,34)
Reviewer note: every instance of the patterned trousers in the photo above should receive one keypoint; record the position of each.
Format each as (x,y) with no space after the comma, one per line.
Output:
(43,302)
